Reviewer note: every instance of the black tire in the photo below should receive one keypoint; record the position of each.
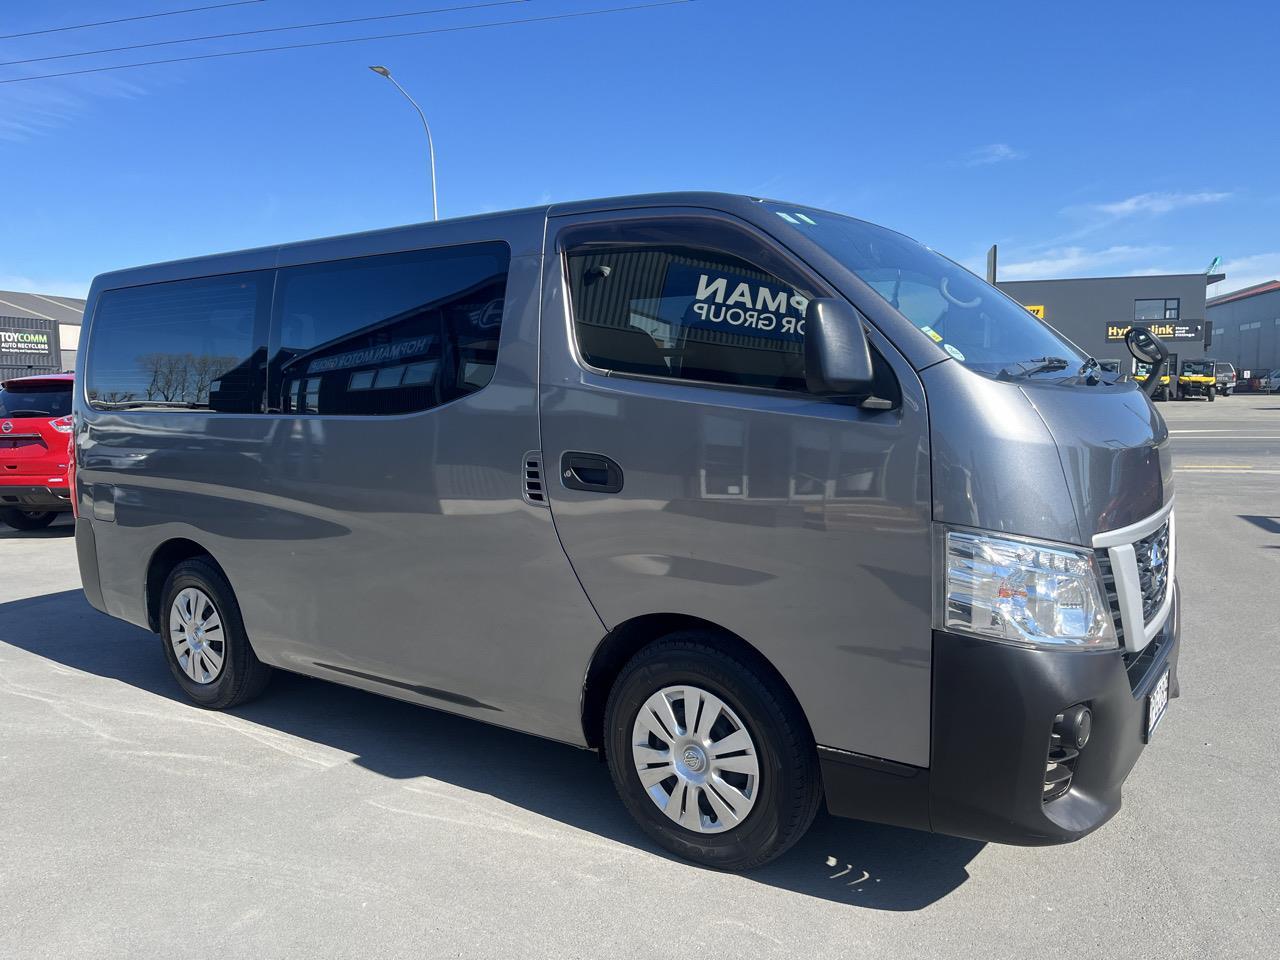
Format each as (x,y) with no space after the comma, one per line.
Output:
(788,789)
(242,676)
(28,519)
(1210,393)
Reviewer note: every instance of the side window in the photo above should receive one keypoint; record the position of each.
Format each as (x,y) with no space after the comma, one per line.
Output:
(188,344)
(686,311)
(390,334)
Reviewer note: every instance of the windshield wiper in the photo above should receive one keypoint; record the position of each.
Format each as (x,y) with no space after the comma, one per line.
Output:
(1035,365)
(25,413)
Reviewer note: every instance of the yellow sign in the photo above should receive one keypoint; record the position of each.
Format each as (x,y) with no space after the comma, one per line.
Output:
(1036,309)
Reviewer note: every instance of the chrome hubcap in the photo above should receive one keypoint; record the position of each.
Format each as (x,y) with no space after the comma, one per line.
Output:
(195,633)
(695,759)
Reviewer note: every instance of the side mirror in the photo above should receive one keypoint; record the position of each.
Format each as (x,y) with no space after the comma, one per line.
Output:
(837,359)
(1146,347)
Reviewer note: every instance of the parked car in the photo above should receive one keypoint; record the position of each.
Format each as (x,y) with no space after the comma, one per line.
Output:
(766,504)
(35,426)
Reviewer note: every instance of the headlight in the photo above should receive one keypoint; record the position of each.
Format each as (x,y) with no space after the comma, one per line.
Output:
(1024,592)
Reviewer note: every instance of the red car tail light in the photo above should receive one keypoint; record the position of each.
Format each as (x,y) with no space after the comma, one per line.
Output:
(63,424)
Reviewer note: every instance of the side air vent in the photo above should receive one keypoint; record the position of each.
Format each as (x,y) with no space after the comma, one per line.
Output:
(535,491)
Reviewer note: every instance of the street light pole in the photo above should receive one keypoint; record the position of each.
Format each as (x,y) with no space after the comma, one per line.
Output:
(431,149)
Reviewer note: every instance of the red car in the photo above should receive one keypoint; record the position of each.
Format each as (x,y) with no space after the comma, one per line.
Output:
(35,427)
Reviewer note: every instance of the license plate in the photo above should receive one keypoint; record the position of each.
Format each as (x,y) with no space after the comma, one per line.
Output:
(1157,701)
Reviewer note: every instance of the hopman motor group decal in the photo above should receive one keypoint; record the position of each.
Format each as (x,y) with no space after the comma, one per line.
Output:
(24,341)
(735,303)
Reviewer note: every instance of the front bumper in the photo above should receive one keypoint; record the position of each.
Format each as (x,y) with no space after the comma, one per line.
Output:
(993,711)
(26,496)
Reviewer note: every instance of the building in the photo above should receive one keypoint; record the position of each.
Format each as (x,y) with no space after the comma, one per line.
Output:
(1096,312)
(1246,327)
(38,333)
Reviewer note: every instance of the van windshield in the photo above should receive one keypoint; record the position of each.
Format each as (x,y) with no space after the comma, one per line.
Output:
(973,321)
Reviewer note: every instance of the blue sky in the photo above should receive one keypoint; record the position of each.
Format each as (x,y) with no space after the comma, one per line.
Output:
(1086,139)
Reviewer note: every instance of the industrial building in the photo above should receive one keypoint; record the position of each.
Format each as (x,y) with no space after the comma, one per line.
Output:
(1096,312)
(1245,326)
(38,333)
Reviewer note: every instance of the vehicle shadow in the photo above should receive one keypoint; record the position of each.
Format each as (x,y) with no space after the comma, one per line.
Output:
(871,866)
(1265,524)
(61,528)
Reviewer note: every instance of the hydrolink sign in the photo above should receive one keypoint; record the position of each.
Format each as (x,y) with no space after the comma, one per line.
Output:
(1171,330)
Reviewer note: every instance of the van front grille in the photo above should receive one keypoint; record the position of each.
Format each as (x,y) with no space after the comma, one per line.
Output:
(1152,553)
(1113,596)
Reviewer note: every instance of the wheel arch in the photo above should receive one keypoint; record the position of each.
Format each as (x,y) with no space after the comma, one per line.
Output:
(627,639)
(163,559)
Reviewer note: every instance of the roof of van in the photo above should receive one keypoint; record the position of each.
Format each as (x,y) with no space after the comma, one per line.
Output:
(721,201)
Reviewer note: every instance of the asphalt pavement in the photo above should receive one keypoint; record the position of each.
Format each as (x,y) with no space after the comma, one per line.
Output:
(321,821)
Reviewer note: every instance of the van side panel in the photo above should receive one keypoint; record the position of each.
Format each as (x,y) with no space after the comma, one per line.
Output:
(393,553)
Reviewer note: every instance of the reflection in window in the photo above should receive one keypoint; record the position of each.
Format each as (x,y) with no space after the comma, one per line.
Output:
(185,344)
(389,334)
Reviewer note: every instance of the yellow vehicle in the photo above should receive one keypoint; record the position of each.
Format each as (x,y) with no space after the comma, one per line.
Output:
(1140,371)
(1198,379)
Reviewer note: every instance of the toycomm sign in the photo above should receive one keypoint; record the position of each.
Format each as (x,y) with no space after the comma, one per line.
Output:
(27,345)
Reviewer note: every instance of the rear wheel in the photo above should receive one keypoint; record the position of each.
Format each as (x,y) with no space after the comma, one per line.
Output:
(28,519)
(204,639)
(710,755)
(1210,394)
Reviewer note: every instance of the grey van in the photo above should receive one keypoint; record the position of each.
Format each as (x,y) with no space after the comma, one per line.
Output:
(765,504)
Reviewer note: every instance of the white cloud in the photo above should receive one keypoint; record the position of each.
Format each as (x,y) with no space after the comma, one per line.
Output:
(1246,271)
(32,110)
(991,153)
(1079,261)
(1157,203)
(50,288)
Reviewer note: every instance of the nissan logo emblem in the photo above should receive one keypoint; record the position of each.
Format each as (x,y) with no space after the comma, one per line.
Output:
(8,427)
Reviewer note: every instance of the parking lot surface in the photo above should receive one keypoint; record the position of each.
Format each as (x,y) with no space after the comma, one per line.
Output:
(320,821)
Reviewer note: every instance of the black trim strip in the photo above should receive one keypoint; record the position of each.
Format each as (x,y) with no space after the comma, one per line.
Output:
(432,692)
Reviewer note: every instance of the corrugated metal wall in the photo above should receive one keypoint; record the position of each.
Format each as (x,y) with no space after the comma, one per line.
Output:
(16,361)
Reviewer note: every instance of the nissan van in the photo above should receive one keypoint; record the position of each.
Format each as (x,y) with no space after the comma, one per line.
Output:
(767,505)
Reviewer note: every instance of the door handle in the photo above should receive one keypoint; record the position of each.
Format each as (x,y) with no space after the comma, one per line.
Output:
(590,472)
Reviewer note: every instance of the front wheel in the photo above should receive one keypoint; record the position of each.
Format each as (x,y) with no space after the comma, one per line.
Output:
(1210,393)
(28,519)
(711,755)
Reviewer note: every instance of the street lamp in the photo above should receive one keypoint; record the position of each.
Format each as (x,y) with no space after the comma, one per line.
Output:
(384,72)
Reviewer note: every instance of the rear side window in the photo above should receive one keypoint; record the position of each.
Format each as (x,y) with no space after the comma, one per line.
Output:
(35,400)
(689,312)
(390,334)
(189,344)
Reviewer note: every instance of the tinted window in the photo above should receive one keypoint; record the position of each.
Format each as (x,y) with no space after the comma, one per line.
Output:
(686,312)
(35,400)
(193,344)
(388,334)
